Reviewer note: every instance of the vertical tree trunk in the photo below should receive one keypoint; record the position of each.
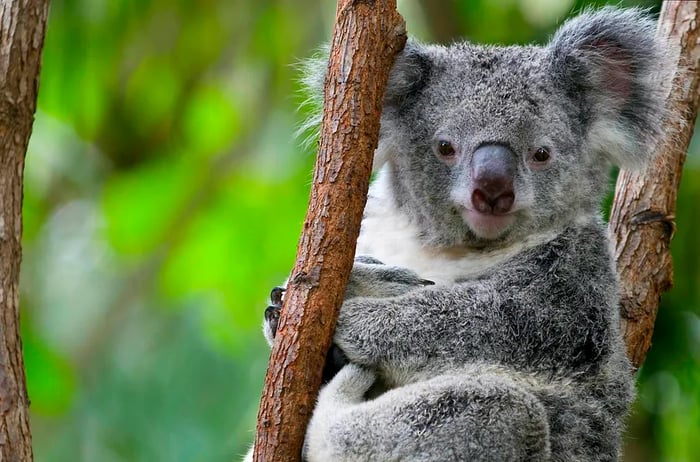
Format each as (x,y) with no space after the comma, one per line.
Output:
(366,38)
(642,219)
(22,27)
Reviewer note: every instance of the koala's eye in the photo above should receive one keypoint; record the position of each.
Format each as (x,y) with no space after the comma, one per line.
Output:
(445,149)
(541,154)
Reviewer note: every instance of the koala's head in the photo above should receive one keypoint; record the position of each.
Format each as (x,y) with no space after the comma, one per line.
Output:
(486,145)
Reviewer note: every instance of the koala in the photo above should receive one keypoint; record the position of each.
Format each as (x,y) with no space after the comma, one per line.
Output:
(493,162)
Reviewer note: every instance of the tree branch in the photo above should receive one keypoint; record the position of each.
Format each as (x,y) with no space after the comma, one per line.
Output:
(366,38)
(22,28)
(642,219)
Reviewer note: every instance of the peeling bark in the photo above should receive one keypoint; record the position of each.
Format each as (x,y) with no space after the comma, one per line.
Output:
(642,219)
(366,38)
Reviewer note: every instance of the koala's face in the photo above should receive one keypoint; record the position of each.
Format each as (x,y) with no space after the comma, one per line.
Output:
(487,145)
(486,151)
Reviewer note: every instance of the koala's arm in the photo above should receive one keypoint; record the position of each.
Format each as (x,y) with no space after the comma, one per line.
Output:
(369,278)
(549,309)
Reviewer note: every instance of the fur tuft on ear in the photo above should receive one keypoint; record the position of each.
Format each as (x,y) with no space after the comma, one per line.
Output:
(408,76)
(613,66)
(312,79)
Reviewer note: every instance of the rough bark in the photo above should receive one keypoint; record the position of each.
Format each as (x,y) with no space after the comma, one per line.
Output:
(642,220)
(22,27)
(366,38)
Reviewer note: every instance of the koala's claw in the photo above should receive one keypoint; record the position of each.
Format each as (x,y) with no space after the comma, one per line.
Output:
(272,317)
(272,312)
(276,295)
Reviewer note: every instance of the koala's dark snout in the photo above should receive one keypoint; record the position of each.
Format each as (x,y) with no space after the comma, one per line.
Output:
(493,170)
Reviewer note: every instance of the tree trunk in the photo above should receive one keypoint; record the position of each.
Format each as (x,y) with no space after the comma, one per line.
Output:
(22,27)
(366,38)
(642,220)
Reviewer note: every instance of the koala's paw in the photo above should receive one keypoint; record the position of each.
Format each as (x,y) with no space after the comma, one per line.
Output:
(335,360)
(371,278)
(272,314)
(367,260)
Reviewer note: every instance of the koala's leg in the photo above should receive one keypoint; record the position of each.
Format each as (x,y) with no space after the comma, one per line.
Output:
(487,417)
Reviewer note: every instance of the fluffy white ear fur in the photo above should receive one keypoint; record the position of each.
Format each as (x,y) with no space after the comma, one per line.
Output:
(612,58)
(614,142)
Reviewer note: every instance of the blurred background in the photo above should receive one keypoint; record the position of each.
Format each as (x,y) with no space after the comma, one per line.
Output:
(164,196)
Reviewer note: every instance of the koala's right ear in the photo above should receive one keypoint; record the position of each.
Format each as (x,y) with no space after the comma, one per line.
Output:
(610,63)
(409,74)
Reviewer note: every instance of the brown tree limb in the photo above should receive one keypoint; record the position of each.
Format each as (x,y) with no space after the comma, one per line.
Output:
(366,38)
(642,220)
(22,28)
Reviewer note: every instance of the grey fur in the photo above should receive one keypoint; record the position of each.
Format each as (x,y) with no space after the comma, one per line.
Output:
(371,278)
(515,354)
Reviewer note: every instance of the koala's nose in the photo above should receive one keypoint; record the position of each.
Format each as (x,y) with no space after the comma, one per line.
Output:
(493,169)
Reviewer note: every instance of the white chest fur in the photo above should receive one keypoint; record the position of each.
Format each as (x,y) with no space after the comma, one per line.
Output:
(389,235)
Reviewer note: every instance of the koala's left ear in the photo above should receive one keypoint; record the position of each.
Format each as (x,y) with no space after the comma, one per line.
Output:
(409,73)
(610,63)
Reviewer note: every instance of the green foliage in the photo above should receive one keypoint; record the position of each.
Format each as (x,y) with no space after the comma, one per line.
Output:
(164,197)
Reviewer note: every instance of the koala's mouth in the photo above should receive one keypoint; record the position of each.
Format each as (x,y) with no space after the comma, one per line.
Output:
(487,225)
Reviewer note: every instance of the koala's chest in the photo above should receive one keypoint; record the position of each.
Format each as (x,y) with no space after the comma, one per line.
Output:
(389,236)
(393,243)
